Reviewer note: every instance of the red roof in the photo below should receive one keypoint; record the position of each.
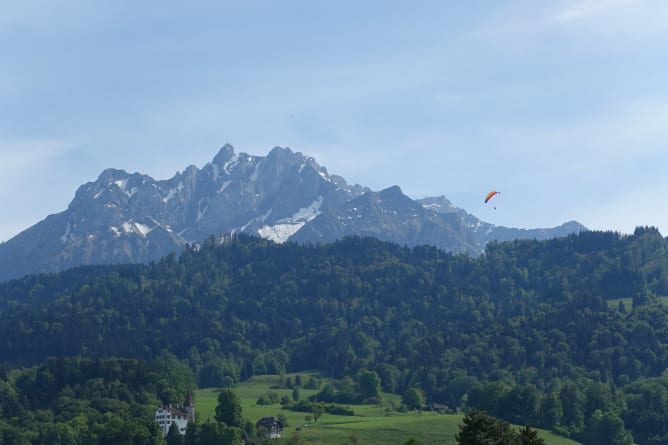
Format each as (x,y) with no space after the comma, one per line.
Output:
(175,410)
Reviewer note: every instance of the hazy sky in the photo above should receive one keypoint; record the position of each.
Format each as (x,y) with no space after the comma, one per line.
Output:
(560,105)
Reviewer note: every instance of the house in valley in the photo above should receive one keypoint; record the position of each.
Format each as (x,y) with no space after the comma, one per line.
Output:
(179,414)
(270,427)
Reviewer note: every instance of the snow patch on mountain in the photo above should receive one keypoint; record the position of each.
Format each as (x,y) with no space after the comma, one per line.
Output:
(287,227)
(229,165)
(308,213)
(134,227)
(265,215)
(172,192)
(476,225)
(280,232)
(97,195)
(224,186)
(67,233)
(202,207)
(123,185)
(262,218)
(253,177)
(434,207)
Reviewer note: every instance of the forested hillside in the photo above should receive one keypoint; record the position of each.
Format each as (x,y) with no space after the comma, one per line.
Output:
(70,401)
(527,331)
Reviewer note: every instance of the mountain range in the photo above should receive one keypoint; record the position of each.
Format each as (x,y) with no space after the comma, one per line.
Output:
(132,218)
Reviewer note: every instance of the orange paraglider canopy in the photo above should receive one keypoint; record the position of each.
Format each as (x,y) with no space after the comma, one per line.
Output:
(490,195)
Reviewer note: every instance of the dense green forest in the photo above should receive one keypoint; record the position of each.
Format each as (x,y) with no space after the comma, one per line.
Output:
(70,401)
(527,332)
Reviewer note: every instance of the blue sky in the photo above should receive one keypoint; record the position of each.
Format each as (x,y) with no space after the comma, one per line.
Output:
(561,105)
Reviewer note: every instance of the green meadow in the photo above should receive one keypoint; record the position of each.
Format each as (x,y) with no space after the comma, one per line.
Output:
(371,424)
(628,302)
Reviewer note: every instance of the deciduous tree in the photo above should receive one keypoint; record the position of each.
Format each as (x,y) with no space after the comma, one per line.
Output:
(228,409)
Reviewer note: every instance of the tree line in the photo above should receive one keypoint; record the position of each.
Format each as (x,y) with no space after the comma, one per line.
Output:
(527,332)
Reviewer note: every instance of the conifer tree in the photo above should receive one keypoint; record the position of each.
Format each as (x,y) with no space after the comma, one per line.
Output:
(173,435)
(528,436)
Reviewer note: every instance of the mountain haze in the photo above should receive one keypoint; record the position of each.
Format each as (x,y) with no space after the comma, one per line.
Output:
(132,218)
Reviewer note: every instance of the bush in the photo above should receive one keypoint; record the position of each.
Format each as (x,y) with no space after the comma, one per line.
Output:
(269,398)
(264,399)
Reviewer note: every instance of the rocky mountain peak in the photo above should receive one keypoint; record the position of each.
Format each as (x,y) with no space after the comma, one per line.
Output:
(110,174)
(393,191)
(438,204)
(123,217)
(224,155)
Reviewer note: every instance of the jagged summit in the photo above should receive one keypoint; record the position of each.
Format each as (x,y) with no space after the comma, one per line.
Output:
(126,217)
(225,153)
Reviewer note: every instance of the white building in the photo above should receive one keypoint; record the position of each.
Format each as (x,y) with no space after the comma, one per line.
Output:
(179,414)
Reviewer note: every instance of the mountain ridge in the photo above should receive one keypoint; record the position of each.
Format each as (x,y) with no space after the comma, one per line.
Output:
(126,217)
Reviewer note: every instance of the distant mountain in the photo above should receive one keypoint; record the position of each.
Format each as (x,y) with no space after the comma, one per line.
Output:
(130,217)
(484,232)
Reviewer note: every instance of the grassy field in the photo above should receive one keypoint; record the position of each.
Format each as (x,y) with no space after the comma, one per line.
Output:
(614,304)
(371,424)
(628,302)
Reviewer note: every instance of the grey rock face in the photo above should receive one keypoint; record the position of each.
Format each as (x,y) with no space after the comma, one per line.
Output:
(126,218)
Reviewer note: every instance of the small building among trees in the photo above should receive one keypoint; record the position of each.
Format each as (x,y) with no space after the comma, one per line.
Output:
(166,415)
(270,427)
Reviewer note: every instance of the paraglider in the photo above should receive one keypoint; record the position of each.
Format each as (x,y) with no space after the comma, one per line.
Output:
(490,195)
